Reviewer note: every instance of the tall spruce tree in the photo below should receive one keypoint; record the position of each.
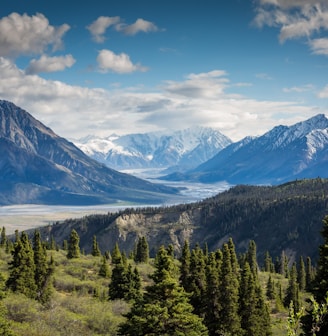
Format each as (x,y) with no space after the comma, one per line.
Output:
(43,271)
(292,292)
(22,268)
(142,251)
(212,297)
(185,266)
(3,240)
(95,247)
(164,308)
(319,289)
(104,270)
(301,276)
(73,248)
(229,297)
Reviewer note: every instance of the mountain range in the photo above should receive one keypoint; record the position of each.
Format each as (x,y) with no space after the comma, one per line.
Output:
(280,155)
(38,166)
(173,151)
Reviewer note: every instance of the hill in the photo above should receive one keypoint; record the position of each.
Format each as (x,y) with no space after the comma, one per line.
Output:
(38,166)
(280,218)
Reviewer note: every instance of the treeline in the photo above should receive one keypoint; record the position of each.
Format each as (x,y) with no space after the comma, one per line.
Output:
(201,292)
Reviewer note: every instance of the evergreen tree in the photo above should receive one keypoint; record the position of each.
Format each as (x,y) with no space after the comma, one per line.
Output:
(309,273)
(164,308)
(292,293)
(251,257)
(270,289)
(301,276)
(119,285)
(116,255)
(319,289)
(185,266)
(73,249)
(229,298)
(212,298)
(95,248)
(3,240)
(268,265)
(104,270)
(197,280)
(142,251)
(43,272)
(22,268)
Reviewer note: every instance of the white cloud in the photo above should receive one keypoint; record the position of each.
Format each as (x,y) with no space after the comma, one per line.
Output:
(28,35)
(294,18)
(119,63)
(99,27)
(299,89)
(319,46)
(140,25)
(324,92)
(50,64)
(74,111)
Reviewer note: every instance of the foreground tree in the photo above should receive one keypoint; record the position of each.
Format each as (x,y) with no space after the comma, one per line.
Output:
(312,325)
(164,308)
(22,268)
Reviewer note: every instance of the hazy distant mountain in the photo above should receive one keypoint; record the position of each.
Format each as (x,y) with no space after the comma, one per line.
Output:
(38,166)
(179,150)
(282,154)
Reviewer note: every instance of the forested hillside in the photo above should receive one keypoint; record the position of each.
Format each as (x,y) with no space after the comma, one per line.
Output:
(285,218)
(46,290)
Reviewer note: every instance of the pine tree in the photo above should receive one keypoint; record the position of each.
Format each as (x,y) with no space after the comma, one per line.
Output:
(164,308)
(268,265)
(3,240)
(104,270)
(42,271)
(309,273)
(301,276)
(185,266)
(292,293)
(251,257)
(229,298)
(270,289)
(142,251)
(255,318)
(197,280)
(73,249)
(22,268)
(95,248)
(212,297)
(319,288)
(119,284)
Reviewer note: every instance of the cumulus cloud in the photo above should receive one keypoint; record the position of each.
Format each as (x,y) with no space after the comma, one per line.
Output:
(140,25)
(50,64)
(108,61)
(294,18)
(99,27)
(29,35)
(74,111)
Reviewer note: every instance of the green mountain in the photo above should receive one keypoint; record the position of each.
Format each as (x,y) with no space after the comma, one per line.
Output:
(280,218)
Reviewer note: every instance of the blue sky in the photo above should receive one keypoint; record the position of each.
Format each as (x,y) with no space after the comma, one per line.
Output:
(103,67)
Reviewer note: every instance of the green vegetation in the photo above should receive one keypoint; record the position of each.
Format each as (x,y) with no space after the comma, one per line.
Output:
(45,290)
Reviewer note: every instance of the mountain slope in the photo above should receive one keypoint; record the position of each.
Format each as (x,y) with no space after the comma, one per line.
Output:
(38,166)
(280,218)
(280,155)
(180,150)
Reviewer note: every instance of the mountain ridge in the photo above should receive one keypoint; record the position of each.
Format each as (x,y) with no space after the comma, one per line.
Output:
(178,150)
(280,155)
(57,171)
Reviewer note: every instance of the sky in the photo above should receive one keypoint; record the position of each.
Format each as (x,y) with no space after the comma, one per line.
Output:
(134,66)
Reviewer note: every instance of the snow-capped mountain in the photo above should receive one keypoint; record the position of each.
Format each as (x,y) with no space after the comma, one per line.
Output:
(38,166)
(178,150)
(280,155)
